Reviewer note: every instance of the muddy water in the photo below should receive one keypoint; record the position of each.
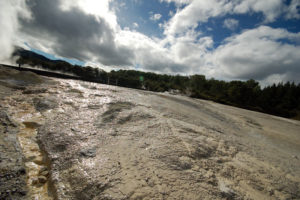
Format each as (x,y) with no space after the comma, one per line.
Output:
(35,162)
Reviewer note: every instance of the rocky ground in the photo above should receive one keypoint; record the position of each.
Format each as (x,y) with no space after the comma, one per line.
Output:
(12,160)
(67,139)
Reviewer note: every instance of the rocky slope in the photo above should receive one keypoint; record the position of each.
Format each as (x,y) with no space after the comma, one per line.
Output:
(84,140)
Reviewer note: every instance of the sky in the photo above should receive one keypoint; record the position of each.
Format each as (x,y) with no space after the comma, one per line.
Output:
(221,39)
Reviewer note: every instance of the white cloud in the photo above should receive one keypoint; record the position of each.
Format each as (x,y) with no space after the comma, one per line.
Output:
(209,29)
(178,2)
(199,11)
(97,38)
(155,17)
(231,24)
(257,53)
(195,12)
(280,78)
(94,7)
(293,10)
(74,33)
(271,9)
(135,25)
(149,53)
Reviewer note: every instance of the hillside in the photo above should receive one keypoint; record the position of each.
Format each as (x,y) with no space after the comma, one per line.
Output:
(282,99)
(82,140)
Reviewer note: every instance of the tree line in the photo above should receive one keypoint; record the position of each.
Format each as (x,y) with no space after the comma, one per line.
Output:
(281,99)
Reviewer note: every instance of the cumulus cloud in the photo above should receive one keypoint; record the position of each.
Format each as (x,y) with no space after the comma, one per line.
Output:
(293,10)
(271,9)
(93,7)
(199,11)
(150,53)
(72,33)
(231,24)
(74,29)
(155,17)
(68,31)
(258,54)
(195,12)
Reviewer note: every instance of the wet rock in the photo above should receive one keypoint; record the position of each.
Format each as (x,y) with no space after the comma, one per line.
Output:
(30,158)
(44,173)
(270,190)
(114,133)
(6,120)
(94,107)
(88,152)
(60,147)
(184,163)
(99,95)
(42,179)
(201,151)
(12,84)
(69,102)
(150,182)
(20,78)
(35,91)
(22,192)
(114,109)
(43,169)
(78,172)
(93,88)
(74,129)
(38,160)
(73,90)
(43,104)
(12,171)
(123,120)
(32,124)
(34,181)
(22,171)
(226,192)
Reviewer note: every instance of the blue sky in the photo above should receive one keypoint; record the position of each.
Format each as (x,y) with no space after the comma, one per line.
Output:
(140,12)
(136,15)
(224,39)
